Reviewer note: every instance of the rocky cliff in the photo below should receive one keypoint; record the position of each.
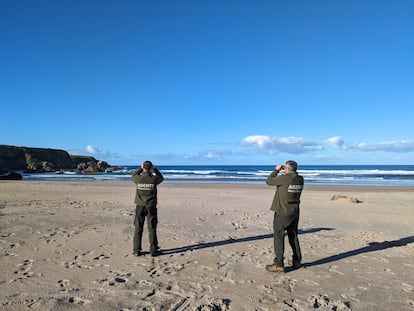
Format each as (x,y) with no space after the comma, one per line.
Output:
(14,158)
(47,159)
(33,159)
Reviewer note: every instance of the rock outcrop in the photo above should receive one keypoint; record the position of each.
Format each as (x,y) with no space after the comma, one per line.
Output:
(11,176)
(40,166)
(92,166)
(102,166)
(14,158)
(47,160)
(80,159)
(346,197)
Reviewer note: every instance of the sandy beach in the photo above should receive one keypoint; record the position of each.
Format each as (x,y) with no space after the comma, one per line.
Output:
(67,246)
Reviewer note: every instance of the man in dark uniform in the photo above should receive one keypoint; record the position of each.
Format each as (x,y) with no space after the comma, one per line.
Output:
(147,177)
(285,204)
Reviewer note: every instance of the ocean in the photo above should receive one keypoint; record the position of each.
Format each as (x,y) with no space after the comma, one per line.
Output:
(369,175)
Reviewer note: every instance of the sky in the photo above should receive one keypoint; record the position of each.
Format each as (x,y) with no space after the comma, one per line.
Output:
(212,82)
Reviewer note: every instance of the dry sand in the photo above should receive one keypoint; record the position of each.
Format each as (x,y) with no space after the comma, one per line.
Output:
(67,246)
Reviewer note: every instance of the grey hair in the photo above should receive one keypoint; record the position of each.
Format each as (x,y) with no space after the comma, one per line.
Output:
(292,165)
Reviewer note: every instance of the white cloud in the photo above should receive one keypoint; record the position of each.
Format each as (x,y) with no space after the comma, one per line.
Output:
(259,140)
(293,145)
(92,150)
(216,154)
(393,146)
(298,145)
(265,148)
(335,142)
(205,156)
(100,154)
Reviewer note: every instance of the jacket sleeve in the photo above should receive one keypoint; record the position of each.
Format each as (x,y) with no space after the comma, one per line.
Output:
(277,180)
(159,178)
(272,179)
(136,175)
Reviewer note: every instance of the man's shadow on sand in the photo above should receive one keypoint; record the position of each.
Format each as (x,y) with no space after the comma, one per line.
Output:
(232,241)
(371,247)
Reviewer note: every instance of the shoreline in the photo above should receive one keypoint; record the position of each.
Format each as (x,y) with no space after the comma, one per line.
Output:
(319,175)
(308,187)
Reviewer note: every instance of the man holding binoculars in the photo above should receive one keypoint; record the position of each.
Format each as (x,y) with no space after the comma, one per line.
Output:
(285,204)
(147,177)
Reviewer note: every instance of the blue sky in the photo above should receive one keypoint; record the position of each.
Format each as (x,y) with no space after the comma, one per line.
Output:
(210,82)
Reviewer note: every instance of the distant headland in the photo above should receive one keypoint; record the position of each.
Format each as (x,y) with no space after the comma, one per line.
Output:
(39,160)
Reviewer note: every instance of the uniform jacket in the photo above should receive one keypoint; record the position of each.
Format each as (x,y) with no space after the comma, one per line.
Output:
(146,193)
(288,190)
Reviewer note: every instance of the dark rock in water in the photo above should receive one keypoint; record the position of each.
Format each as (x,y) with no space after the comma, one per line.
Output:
(113,168)
(11,176)
(92,167)
(102,166)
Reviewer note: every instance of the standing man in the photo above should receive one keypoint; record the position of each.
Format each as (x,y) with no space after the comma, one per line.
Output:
(147,177)
(285,204)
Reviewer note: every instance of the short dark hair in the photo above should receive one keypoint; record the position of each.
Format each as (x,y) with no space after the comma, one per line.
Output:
(147,165)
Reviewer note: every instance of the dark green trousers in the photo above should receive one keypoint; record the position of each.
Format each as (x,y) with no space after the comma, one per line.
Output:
(280,225)
(142,212)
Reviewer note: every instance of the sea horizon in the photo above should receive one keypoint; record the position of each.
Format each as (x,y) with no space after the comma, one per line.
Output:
(370,175)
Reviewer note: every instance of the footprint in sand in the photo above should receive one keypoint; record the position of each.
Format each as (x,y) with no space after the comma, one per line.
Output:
(407,287)
(346,297)
(323,301)
(206,268)
(119,278)
(151,295)
(154,271)
(7,234)
(286,284)
(167,268)
(78,261)
(311,283)
(74,264)
(216,304)
(389,271)
(238,225)
(87,260)
(334,269)
(78,300)
(102,256)
(23,271)
(63,285)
